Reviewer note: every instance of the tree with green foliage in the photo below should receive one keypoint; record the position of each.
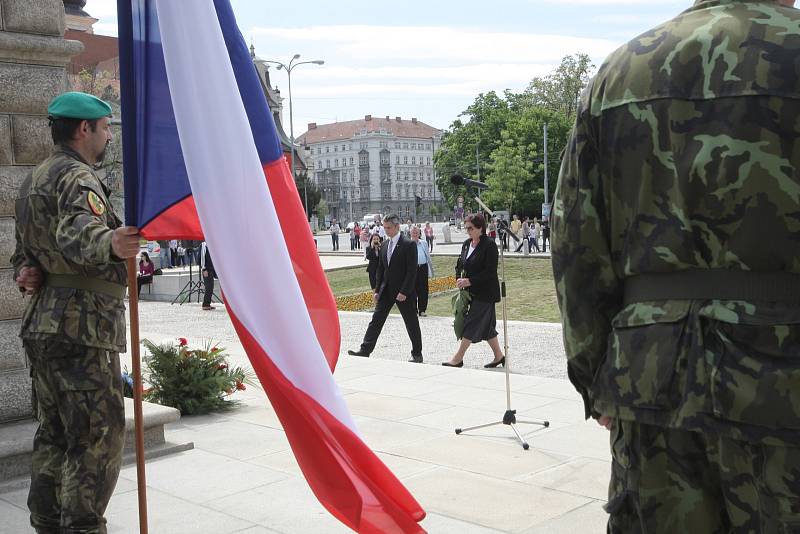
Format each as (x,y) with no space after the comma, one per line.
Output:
(322,210)
(561,90)
(502,142)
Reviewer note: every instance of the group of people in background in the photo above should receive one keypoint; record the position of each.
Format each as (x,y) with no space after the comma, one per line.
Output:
(536,234)
(375,238)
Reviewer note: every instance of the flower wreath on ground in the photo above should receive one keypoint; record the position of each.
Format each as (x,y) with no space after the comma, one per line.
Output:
(193,380)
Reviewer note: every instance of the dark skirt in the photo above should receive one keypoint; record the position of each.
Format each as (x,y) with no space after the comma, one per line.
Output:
(480,321)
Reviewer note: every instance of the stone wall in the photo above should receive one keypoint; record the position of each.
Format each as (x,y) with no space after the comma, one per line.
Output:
(33,59)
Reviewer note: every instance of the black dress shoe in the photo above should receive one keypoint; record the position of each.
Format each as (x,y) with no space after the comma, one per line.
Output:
(416,359)
(492,365)
(358,353)
(459,364)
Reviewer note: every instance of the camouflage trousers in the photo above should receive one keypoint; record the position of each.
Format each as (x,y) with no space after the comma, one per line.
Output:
(669,480)
(77,450)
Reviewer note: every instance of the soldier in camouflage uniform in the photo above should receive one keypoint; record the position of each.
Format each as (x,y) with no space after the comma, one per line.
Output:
(70,257)
(676,255)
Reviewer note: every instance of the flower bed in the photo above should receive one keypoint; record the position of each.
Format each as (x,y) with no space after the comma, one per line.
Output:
(363,301)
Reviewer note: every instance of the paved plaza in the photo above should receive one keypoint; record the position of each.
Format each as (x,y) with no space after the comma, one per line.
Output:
(242,478)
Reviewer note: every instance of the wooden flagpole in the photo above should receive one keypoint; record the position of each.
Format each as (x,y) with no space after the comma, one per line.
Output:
(133,303)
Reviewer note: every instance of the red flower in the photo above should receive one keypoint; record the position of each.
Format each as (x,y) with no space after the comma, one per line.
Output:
(240,386)
(182,341)
(222,366)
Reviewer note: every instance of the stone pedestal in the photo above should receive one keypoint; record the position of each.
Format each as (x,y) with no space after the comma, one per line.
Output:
(33,59)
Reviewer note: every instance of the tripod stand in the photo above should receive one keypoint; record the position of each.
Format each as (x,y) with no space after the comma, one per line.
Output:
(190,288)
(510,416)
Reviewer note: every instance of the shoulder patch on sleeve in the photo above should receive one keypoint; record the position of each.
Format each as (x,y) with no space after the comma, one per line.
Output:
(95,203)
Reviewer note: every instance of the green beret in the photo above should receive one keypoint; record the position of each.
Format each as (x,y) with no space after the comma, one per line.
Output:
(75,105)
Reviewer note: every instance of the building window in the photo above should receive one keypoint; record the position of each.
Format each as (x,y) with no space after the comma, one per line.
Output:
(335,148)
(319,150)
(405,160)
(327,164)
(336,162)
(398,160)
(351,160)
(364,145)
(429,161)
(327,149)
(319,164)
(413,160)
(397,144)
(405,145)
(363,159)
(343,148)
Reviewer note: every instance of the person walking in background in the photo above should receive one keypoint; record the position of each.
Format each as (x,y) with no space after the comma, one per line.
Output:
(70,257)
(173,252)
(424,271)
(166,261)
(335,229)
(429,235)
(397,270)
(208,272)
(146,271)
(516,225)
(545,235)
(525,232)
(675,258)
(364,238)
(372,254)
(536,234)
(476,271)
(357,236)
(493,229)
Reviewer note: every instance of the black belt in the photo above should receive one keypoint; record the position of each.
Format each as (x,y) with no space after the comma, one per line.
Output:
(714,284)
(74,281)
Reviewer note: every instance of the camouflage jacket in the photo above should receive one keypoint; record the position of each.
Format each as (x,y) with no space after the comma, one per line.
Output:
(685,155)
(64,226)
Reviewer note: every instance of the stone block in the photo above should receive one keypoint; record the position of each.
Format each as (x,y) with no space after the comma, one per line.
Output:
(12,357)
(44,17)
(5,140)
(12,303)
(6,240)
(11,178)
(15,390)
(31,139)
(29,88)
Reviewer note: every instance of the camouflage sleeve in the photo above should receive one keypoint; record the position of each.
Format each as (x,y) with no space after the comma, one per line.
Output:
(589,292)
(21,256)
(82,234)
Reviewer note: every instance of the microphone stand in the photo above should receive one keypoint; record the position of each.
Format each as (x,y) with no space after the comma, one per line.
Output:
(510,416)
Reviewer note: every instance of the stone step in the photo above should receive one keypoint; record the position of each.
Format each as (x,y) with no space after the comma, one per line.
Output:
(16,439)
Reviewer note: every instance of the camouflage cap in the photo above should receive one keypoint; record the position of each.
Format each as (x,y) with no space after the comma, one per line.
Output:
(75,105)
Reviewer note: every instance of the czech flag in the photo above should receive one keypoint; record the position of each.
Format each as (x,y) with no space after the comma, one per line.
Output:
(203,160)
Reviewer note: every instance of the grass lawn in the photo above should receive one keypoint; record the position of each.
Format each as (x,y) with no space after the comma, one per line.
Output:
(529,286)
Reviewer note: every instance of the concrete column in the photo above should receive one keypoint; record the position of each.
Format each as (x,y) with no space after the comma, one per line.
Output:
(33,59)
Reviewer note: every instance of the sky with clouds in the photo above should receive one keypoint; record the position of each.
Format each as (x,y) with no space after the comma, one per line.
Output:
(422,58)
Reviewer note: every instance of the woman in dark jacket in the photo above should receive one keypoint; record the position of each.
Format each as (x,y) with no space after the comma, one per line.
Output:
(371,254)
(476,270)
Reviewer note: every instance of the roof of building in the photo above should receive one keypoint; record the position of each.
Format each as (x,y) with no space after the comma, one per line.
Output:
(96,49)
(412,128)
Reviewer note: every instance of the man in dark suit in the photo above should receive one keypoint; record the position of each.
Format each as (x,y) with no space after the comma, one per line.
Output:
(397,271)
(207,268)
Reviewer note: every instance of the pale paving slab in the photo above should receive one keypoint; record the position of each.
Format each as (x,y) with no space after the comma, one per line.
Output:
(256,530)
(456,417)
(393,385)
(491,502)
(234,439)
(562,411)
(486,378)
(388,407)
(501,458)
(13,519)
(439,524)
(287,506)
(383,435)
(550,387)
(590,518)
(483,399)
(167,513)
(200,476)
(587,439)
(401,466)
(585,477)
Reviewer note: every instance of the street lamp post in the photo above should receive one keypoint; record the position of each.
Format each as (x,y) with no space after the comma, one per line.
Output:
(289,68)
